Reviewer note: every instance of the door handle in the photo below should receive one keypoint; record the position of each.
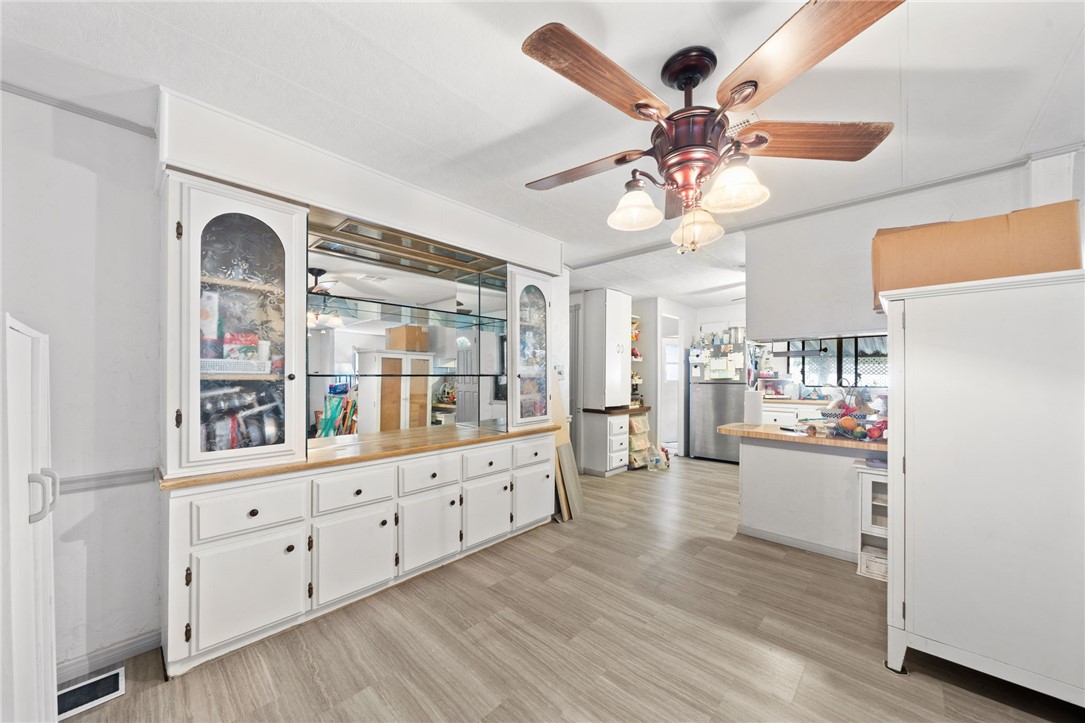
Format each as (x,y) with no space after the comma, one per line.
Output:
(52,475)
(38,479)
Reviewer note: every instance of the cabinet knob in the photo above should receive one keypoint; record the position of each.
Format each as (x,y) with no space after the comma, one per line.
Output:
(289,548)
(505,488)
(547,476)
(452,503)
(384,522)
(490,463)
(291,377)
(254,512)
(357,493)
(536,454)
(433,476)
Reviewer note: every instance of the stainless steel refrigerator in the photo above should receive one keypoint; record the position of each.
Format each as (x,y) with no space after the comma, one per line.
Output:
(712,403)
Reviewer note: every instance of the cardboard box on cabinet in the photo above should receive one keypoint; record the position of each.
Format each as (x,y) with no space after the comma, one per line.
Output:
(408,337)
(1030,241)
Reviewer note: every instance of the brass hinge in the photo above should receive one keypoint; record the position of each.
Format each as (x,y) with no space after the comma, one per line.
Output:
(397,519)
(177,418)
(188,632)
(310,543)
(180,230)
(310,589)
(188,576)
(461,535)
(397,559)
(461,500)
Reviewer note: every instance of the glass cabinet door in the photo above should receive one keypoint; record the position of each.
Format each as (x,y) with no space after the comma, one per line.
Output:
(531,397)
(239,402)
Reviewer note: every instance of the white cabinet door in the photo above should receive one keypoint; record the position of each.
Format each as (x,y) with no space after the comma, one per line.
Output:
(246,586)
(532,495)
(487,510)
(619,365)
(353,553)
(429,527)
(529,311)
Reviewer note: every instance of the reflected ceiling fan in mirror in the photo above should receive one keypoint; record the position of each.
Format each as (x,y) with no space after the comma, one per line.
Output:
(701,152)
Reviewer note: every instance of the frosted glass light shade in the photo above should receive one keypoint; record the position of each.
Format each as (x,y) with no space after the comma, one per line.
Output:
(635,212)
(736,188)
(697,229)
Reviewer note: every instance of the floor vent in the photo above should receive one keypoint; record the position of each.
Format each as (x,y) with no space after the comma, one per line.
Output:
(87,694)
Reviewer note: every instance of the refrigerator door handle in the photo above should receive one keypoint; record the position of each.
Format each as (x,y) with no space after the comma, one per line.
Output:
(38,479)
(52,475)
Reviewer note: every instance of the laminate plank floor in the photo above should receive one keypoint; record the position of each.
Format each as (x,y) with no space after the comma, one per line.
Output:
(648,607)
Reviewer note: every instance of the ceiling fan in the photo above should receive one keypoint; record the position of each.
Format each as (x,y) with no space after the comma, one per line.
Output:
(700,152)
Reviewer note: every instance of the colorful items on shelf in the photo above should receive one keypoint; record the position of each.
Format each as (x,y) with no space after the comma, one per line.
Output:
(636,354)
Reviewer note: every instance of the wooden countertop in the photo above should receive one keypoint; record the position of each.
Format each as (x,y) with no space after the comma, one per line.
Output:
(774,433)
(333,452)
(618,410)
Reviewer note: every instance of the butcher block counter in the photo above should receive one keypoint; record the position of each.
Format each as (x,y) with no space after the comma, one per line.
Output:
(774,432)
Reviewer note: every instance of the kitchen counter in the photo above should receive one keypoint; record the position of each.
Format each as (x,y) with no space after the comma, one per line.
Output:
(336,451)
(788,400)
(618,410)
(774,432)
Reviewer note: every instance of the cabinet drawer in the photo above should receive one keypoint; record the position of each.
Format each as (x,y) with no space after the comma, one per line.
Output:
(536,451)
(349,489)
(429,473)
(619,444)
(486,461)
(618,425)
(619,459)
(250,510)
(779,417)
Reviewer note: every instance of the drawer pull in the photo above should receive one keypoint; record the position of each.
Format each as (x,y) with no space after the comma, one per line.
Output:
(384,522)
(289,548)
(452,503)
(433,476)
(254,512)
(357,493)
(490,463)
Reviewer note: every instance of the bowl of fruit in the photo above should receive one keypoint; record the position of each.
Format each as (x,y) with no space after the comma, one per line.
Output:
(854,428)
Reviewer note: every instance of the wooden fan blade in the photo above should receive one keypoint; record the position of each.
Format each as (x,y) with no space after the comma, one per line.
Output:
(812,34)
(673,207)
(588,169)
(567,54)
(818,141)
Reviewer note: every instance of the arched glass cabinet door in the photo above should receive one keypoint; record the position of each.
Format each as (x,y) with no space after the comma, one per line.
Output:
(531,383)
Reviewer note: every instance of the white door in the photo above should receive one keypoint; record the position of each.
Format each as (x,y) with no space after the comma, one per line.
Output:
(670,392)
(249,585)
(28,690)
(429,528)
(618,348)
(353,553)
(487,510)
(533,496)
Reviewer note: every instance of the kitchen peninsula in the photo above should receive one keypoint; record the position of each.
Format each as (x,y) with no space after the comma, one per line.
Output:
(799,490)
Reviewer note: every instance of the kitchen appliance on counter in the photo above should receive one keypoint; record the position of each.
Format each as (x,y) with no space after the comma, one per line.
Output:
(713,402)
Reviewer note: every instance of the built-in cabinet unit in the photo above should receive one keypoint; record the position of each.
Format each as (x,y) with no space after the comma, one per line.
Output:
(251,557)
(394,390)
(873,520)
(987,501)
(606,443)
(234,329)
(606,352)
(529,319)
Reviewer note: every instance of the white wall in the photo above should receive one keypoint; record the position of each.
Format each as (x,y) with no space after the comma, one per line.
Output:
(81,263)
(559,338)
(651,312)
(720,318)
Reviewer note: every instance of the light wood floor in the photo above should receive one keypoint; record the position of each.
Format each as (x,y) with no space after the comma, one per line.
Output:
(648,607)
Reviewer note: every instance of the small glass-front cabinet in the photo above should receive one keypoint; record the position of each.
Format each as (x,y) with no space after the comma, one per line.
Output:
(235,352)
(529,392)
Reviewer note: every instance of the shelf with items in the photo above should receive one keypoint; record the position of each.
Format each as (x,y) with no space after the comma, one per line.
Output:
(873,520)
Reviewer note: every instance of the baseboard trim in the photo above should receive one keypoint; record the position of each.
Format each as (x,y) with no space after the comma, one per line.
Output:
(69,485)
(801,544)
(106,657)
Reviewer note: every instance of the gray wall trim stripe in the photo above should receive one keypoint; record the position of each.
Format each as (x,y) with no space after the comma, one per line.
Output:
(69,485)
(107,657)
(801,544)
(71,107)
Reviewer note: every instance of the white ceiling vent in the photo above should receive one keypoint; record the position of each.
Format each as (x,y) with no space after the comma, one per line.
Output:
(371,278)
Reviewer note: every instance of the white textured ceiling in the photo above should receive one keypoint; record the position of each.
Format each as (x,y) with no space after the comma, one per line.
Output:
(440,95)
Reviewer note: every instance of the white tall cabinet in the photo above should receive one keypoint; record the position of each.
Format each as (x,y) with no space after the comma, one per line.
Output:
(987,492)
(607,364)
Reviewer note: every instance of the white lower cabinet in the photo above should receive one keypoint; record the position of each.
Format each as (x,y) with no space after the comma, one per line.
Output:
(242,587)
(533,495)
(352,553)
(487,510)
(429,527)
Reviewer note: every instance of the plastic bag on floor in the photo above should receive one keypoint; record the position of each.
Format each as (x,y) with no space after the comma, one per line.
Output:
(655,459)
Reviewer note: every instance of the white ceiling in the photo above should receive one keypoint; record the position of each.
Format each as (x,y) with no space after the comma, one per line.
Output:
(440,95)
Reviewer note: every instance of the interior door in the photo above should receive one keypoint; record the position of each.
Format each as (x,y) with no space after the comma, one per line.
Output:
(29,497)
(418,399)
(391,395)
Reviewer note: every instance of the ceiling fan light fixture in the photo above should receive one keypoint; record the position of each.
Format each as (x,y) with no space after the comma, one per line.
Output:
(736,188)
(635,210)
(697,229)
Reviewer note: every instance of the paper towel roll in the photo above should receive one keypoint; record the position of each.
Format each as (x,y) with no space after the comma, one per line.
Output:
(753,406)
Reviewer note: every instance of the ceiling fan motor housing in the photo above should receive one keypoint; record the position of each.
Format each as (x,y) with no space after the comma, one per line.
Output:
(686,145)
